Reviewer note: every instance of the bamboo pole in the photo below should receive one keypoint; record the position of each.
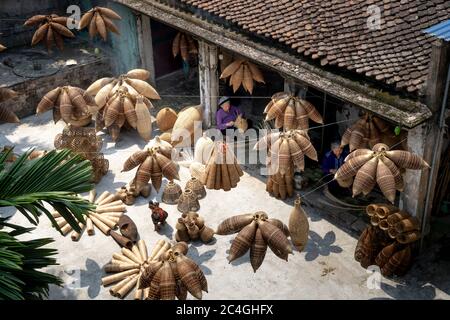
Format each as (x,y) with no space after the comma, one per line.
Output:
(120,285)
(75,236)
(137,253)
(111,204)
(121,208)
(118,276)
(103,227)
(122,258)
(128,253)
(109,198)
(102,197)
(122,293)
(89,226)
(143,249)
(105,220)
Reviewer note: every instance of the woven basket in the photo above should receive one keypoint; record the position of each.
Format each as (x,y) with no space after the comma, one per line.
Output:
(171,193)
(188,201)
(197,187)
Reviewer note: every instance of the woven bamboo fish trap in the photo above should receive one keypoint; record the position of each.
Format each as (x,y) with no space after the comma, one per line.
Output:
(188,201)
(222,170)
(164,274)
(171,193)
(197,187)
(242,73)
(85,142)
(256,232)
(365,132)
(105,217)
(387,242)
(365,168)
(191,227)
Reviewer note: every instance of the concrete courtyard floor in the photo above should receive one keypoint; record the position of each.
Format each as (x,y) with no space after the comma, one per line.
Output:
(325,270)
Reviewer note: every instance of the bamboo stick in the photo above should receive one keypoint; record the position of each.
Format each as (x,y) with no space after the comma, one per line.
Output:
(55,214)
(122,293)
(105,220)
(75,236)
(121,208)
(102,196)
(92,195)
(89,226)
(103,227)
(120,285)
(111,204)
(113,219)
(61,222)
(122,258)
(155,250)
(135,250)
(119,267)
(163,249)
(128,253)
(146,293)
(113,214)
(108,199)
(118,276)
(143,249)
(66,229)
(138,293)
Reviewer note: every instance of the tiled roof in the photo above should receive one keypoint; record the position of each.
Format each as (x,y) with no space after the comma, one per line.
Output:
(336,32)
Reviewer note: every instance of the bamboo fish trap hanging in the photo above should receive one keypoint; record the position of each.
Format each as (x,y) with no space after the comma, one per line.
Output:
(256,232)
(105,217)
(51,29)
(7,115)
(184,45)
(286,153)
(222,171)
(99,20)
(364,168)
(71,104)
(366,132)
(165,274)
(387,243)
(85,142)
(242,72)
(291,112)
(124,102)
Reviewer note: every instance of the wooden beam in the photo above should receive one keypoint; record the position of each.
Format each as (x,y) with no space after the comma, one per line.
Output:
(146,45)
(396,109)
(209,81)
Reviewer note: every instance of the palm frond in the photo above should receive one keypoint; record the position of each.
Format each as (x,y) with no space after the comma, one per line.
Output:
(56,179)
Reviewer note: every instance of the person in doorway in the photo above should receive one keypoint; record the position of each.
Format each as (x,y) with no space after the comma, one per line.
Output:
(331,162)
(227,114)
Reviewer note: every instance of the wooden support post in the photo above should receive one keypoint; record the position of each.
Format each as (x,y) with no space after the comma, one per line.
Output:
(426,141)
(145,45)
(209,81)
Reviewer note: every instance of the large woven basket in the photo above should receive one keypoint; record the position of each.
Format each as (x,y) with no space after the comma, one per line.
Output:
(171,193)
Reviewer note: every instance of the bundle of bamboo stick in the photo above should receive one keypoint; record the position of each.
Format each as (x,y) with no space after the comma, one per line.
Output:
(105,217)
(222,170)
(164,274)
(387,243)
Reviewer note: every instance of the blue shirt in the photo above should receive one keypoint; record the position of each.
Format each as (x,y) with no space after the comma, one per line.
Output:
(331,162)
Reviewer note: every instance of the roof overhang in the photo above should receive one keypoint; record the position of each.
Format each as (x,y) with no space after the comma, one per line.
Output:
(408,113)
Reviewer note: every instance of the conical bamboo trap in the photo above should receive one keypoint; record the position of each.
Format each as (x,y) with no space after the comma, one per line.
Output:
(7,115)
(165,274)
(124,102)
(105,217)
(291,112)
(51,29)
(365,168)
(196,186)
(184,45)
(285,153)
(85,142)
(166,118)
(188,120)
(71,104)
(99,20)
(387,243)
(365,133)
(222,171)
(203,149)
(191,226)
(153,163)
(242,72)
(188,201)
(256,232)
(298,226)
(171,193)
